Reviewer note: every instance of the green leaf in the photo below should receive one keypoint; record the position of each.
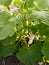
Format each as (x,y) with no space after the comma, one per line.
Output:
(45,50)
(4,18)
(41,16)
(8,40)
(43,4)
(43,29)
(30,55)
(6,27)
(29,4)
(7,50)
(34,28)
(5,2)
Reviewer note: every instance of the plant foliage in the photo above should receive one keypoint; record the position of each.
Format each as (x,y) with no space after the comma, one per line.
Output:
(24,30)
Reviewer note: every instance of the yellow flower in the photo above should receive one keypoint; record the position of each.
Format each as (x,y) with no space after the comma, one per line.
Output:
(24,10)
(5,8)
(26,31)
(27,23)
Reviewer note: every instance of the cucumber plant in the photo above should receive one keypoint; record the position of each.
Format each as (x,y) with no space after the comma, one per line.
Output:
(24,30)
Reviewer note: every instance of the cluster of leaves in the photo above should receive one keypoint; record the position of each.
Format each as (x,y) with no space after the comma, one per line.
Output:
(28,17)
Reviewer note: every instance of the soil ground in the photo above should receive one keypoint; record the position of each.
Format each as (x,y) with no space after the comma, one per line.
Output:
(12,60)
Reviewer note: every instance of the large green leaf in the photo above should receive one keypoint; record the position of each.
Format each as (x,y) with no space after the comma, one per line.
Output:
(7,46)
(41,16)
(7,50)
(8,40)
(29,55)
(5,2)
(6,26)
(4,18)
(43,4)
(34,28)
(41,28)
(45,50)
